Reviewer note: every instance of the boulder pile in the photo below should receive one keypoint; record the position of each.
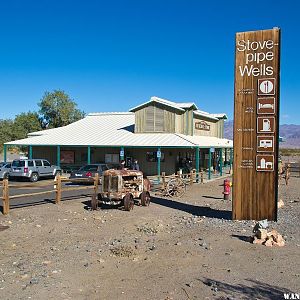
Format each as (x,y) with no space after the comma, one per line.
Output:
(269,239)
(264,237)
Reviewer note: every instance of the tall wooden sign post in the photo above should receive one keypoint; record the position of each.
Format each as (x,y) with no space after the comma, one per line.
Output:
(256,124)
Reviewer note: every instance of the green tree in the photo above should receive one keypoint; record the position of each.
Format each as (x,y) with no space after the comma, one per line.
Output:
(58,109)
(25,123)
(6,131)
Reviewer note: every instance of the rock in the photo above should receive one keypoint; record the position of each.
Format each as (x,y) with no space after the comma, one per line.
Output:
(279,244)
(280,203)
(269,243)
(34,281)
(46,262)
(261,234)
(258,241)
(263,224)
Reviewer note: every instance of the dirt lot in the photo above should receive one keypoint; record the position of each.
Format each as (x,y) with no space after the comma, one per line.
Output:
(182,249)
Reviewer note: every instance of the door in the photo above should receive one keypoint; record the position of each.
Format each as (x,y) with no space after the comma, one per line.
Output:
(47,169)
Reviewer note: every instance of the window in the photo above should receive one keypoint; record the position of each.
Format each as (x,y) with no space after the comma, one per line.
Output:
(18,163)
(89,168)
(38,163)
(46,163)
(154,121)
(30,163)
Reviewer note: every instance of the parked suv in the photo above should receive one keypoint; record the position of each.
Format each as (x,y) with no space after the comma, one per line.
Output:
(4,170)
(32,169)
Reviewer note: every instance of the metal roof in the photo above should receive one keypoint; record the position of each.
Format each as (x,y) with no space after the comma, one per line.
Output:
(178,106)
(111,130)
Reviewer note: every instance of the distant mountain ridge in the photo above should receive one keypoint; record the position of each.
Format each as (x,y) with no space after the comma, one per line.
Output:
(289,132)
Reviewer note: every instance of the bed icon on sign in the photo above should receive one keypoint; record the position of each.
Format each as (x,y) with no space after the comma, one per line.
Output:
(266,105)
(264,163)
(266,86)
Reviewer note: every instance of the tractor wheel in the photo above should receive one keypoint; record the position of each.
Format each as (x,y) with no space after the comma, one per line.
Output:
(145,199)
(128,202)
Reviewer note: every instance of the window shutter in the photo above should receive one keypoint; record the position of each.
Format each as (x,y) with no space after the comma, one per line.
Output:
(159,120)
(149,123)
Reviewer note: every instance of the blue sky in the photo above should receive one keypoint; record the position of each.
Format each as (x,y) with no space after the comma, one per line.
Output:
(113,55)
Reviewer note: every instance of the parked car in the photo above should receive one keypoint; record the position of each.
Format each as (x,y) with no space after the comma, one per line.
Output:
(87,172)
(33,169)
(4,170)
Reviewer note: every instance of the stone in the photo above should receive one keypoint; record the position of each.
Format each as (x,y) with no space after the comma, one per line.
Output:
(261,234)
(269,242)
(280,203)
(280,243)
(263,224)
(258,241)
(34,281)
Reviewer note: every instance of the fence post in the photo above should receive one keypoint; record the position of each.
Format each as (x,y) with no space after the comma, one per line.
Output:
(5,197)
(58,189)
(94,200)
(163,174)
(191,177)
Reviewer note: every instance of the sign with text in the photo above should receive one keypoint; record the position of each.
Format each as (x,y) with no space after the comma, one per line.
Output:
(256,122)
(202,126)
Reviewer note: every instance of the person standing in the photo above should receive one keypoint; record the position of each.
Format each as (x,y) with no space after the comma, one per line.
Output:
(135,165)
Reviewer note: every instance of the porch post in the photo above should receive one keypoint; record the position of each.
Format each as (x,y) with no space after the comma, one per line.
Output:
(209,164)
(58,156)
(89,155)
(158,154)
(197,163)
(221,161)
(30,152)
(4,152)
(122,153)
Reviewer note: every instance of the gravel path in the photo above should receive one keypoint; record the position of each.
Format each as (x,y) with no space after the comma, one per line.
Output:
(187,248)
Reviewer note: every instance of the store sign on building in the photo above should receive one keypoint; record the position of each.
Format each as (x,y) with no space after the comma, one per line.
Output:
(202,126)
(256,122)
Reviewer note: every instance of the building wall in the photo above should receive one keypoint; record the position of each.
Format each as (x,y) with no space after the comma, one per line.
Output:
(155,118)
(216,127)
(163,119)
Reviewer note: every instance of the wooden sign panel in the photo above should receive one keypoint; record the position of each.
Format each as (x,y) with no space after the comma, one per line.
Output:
(256,124)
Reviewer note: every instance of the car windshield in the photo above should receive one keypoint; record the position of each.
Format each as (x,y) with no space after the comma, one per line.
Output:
(18,163)
(2,164)
(89,168)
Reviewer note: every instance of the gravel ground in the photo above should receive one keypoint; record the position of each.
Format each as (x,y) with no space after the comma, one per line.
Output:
(184,248)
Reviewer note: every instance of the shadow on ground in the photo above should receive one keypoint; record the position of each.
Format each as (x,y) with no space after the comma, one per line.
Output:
(193,209)
(253,290)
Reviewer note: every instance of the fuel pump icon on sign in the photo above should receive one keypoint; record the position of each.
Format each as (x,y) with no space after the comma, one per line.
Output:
(265,125)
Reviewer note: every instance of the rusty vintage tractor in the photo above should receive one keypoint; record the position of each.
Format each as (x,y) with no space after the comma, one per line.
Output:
(124,187)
